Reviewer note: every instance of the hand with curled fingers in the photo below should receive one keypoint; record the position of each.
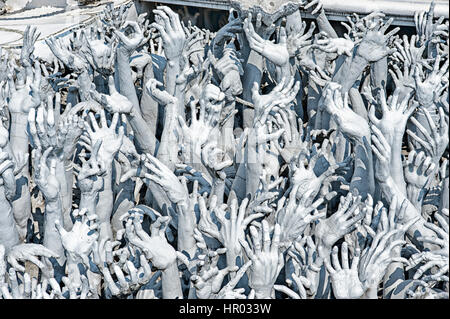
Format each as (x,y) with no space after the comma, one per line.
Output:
(276,53)
(306,264)
(328,231)
(429,90)
(163,176)
(90,175)
(417,170)
(110,136)
(131,37)
(297,214)
(78,242)
(349,123)
(154,246)
(339,46)
(208,281)
(114,102)
(45,174)
(435,258)
(374,44)
(383,249)
(28,252)
(232,229)
(171,31)
(435,140)
(24,92)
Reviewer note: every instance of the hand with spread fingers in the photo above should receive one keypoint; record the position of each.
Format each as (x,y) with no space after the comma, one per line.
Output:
(264,152)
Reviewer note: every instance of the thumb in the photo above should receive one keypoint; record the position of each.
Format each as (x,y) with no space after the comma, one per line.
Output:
(122,37)
(127,175)
(60,229)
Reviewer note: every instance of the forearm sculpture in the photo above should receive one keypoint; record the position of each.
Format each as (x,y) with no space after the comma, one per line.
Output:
(274,158)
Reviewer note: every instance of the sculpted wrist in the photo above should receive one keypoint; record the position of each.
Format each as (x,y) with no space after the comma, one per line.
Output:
(123,52)
(19,118)
(88,197)
(263,293)
(364,137)
(173,63)
(324,249)
(53,204)
(429,105)
(371,293)
(414,193)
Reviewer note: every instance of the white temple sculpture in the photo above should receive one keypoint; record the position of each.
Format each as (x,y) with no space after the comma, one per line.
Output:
(275,157)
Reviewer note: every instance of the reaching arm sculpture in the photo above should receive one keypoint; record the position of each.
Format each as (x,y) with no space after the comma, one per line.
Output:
(269,159)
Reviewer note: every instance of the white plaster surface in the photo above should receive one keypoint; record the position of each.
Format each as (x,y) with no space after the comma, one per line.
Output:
(48,20)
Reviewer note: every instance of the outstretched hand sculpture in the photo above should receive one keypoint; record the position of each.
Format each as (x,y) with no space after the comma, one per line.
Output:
(267,160)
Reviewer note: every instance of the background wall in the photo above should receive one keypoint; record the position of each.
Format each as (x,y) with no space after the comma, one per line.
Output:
(15,5)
